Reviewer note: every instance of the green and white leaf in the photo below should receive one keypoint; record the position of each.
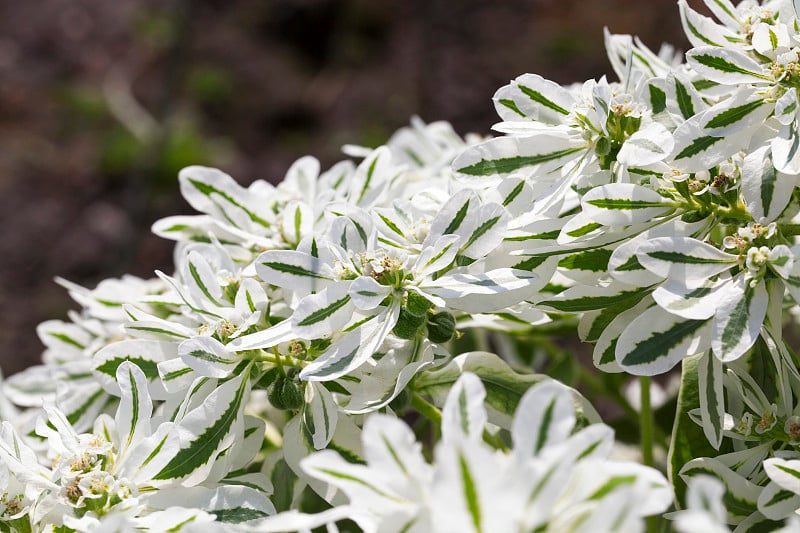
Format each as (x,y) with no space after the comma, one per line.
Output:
(213,192)
(536,155)
(741,496)
(727,66)
(765,190)
(712,399)
(319,415)
(483,293)
(650,144)
(327,311)
(207,430)
(538,99)
(786,149)
(777,503)
(656,341)
(135,407)
(604,353)
(294,270)
(504,387)
(619,204)
(683,258)
(208,357)
(683,100)
(146,354)
(738,319)
(545,416)
(463,414)
(697,302)
(354,348)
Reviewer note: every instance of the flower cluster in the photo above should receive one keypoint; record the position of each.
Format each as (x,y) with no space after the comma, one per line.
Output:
(268,381)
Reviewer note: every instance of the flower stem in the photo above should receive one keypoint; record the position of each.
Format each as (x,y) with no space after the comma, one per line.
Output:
(426,409)
(646,422)
(646,429)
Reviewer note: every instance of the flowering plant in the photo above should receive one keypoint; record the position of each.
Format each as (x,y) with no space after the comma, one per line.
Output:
(366,348)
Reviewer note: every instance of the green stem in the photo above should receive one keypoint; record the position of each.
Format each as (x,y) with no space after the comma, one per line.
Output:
(281,360)
(426,409)
(646,422)
(646,428)
(432,413)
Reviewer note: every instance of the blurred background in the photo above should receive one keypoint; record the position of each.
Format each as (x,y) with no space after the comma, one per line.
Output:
(101,103)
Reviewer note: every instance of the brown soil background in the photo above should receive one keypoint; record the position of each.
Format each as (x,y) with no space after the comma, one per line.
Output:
(245,85)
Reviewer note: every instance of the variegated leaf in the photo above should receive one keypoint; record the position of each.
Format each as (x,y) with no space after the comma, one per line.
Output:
(145,354)
(656,341)
(741,496)
(208,357)
(463,415)
(683,258)
(725,65)
(294,270)
(619,204)
(738,319)
(205,431)
(545,416)
(319,415)
(536,154)
(320,314)
(766,191)
(712,406)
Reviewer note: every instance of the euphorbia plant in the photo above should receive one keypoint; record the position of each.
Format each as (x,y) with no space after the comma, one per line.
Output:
(322,354)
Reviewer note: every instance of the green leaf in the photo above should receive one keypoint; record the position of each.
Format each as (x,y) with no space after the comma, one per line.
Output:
(504,387)
(734,114)
(505,165)
(688,439)
(202,448)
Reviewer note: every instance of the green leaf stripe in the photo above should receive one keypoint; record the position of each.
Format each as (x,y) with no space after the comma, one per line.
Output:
(780,496)
(737,322)
(391,225)
(684,100)
(238,515)
(514,193)
(662,342)
(489,167)
(76,415)
(658,99)
(544,427)
(135,407)
(480,231)
(148,367)
(694,31)
(471,494)
(208,190)
(593,260)
(610,485)
(321,314)
(359,481)
(188,459)
(624,204)
(63,337)
(507,102)
(590,303)
(196,277)
(679,257)
(293,270)
(459,218)
(698,145)
(723,65)
(734,114)
(791,471)
(539,98)
(211,357)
